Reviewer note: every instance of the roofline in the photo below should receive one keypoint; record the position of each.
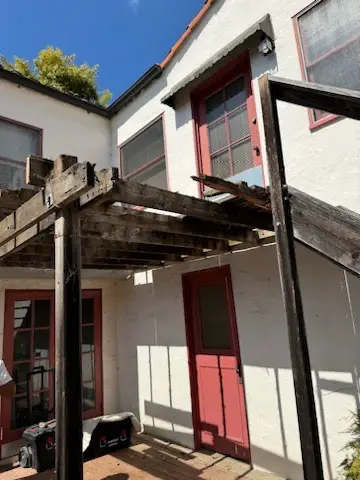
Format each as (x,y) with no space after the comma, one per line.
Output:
(144,81)
(189,30)
(136,88)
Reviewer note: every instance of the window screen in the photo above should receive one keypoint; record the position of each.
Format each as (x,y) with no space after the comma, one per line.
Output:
(330,41)
(16,143)
(143,158)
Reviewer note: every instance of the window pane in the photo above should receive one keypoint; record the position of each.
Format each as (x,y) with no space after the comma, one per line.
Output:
(88,354)
(144,148)
(88,310)
(41,380)
(89,396)
(17,142)
(220,165)
(42,313)
(217,136)
(41,343)
(12,175)
(22,314)
(242,157)
(155,175)
(20,371)
(239,124)
(19,413)
(235,94)
(22,345)
(215,107)
(214,317)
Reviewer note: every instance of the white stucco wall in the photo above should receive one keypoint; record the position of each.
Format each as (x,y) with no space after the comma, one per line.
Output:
(316,162)
(153,365)
(66,129)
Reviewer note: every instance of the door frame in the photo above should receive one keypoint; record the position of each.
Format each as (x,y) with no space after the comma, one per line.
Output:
(6,434)
(190,341)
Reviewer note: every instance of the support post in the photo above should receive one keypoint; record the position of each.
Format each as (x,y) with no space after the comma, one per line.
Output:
(68,382)
(308,426)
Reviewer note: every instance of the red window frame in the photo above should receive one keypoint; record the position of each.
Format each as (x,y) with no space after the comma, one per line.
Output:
(330,117)
(7,434)
(240,67)
(153,161)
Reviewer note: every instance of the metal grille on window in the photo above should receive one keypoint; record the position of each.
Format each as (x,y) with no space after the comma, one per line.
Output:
(229,130)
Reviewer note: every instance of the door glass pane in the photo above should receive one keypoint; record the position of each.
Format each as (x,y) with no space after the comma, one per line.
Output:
(88,310)
(239,124)
(220,165)
(242,157)
(22,314)
(235,94)
(42,313)
(214,317)
(88,367)
(217,136)
(19,413)
(215,107)
(40,381)
(41,344)
(22,341)
(20,372)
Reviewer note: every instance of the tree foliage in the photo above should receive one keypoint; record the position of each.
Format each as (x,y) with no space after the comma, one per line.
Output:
(51,67)
(351,464)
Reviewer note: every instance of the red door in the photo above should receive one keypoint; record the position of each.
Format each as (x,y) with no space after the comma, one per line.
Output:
(216,377)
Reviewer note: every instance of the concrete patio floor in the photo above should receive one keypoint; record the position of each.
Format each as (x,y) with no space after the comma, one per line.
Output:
(151,459)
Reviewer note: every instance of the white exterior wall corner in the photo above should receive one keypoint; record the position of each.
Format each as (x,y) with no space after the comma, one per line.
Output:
(316,162)
(66,128)
(153,364)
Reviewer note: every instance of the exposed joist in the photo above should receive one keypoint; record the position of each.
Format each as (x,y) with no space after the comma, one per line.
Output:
(164,200)
(59,192)
(110,255)
(135,235)
(339,101)
(115,215)
(333,232)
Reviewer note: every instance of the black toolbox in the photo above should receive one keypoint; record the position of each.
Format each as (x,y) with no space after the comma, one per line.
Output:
(39,451)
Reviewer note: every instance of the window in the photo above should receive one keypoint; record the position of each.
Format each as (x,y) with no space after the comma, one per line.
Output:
(17,141)
(329,37)
(143,157)
(228,130)
(29,351)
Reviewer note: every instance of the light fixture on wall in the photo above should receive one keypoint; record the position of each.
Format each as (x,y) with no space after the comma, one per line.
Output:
(266,45)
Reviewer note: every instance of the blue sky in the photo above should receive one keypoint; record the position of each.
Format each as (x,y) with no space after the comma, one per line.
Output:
(125,37)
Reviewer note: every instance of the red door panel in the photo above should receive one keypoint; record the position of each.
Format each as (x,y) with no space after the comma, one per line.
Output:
(214,351)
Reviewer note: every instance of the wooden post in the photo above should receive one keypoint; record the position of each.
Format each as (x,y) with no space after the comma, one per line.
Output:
(68,398)
(299,351)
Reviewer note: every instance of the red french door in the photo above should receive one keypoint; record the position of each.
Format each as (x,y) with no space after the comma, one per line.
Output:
(29,324)
(220,421)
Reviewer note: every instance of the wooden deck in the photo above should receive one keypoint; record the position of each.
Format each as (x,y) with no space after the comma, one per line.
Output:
(152,459)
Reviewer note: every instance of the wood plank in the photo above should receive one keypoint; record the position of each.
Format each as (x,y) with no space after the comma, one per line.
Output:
(59,192)
(115,215)
(309,434)
(339,101)
(147,196)
(103,253)
(110,263)
(37,170)
(12,199)
(126,234)
(258,196)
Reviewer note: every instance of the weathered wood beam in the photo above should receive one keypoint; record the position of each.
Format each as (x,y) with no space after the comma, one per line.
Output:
(122,262)
(164,200)
(339,101)
(299,351)
(12,199)
(37,170)
(115,215)
(103,253)
(257,196)
(127,234)
(331,231)
(96,244)
(59,192)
